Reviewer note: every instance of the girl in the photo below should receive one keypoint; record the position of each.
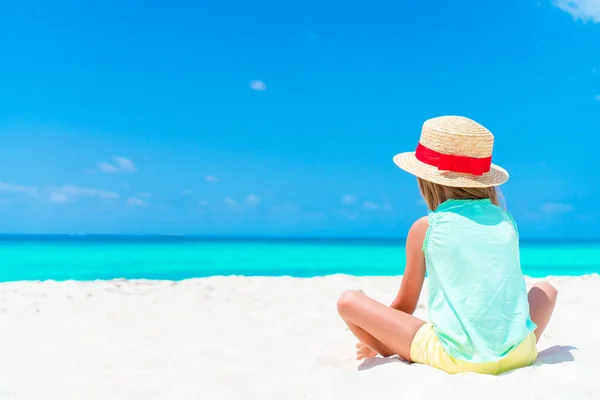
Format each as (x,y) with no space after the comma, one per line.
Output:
(481,317)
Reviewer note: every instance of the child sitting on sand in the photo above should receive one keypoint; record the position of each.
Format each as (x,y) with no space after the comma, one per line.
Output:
(481,317)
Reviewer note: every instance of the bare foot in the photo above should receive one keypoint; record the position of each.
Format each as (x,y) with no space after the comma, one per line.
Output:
(363,351)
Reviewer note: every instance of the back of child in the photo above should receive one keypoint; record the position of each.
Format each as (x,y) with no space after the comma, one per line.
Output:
(477,293)
(481,317)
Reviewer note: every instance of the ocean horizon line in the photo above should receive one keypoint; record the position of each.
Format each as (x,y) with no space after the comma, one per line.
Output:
(121,237)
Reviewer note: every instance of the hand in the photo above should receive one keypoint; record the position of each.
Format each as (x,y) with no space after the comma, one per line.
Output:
(363,351)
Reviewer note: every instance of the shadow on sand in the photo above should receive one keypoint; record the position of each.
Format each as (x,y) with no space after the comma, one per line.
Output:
(377,361)
(556,355)
(552,355)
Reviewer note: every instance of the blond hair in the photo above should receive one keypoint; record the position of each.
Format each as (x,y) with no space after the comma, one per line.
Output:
(435,194)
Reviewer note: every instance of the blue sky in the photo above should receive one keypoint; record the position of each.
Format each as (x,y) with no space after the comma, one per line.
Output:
(271,118)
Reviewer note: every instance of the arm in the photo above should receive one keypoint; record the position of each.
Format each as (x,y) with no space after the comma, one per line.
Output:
(414,274)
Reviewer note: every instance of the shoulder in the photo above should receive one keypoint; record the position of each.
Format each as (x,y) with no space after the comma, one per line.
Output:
(417,232)
(420,226)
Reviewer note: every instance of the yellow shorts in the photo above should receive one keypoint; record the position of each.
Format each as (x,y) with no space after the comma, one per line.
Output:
(427,349)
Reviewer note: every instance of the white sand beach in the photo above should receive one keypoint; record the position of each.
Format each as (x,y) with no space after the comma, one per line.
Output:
(254,338)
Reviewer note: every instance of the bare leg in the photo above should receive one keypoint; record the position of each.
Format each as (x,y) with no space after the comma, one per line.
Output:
(386,330)
(542,299)
(369,340)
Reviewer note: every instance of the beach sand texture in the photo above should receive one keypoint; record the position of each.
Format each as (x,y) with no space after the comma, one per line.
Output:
(254,338)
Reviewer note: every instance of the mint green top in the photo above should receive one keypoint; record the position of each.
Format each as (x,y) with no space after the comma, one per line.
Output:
(477,294)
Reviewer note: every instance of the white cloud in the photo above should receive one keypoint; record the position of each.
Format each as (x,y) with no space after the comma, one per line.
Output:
(552,209)
(203,202)
(78,191)
(369,205)
(229,201)
(6,187)
(125,164)
(145,195)
(59,198)
(120,164)
(108,168)
(387,204)
(252,200)
(186,192)
(585,10)
(135,202)
(258,85)
(66,192)
(348,199)
(211,179)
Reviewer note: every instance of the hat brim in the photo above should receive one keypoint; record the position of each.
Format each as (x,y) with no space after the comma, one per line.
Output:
(408,162)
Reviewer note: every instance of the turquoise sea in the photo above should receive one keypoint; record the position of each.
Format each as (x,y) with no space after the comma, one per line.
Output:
(174,257)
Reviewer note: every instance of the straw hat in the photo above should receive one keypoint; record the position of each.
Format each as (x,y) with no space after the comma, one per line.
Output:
(454,151)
